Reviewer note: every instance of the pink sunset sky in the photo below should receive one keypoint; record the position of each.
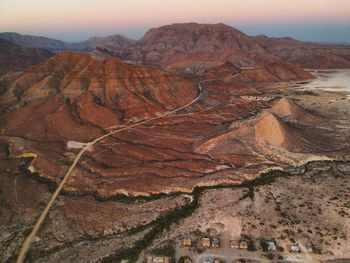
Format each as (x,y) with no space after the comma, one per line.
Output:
(75,20)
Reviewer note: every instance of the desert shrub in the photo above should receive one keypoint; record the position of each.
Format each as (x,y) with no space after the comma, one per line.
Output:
(263,245)
(270,256)
(18,91)
(182,259)
(167,250)
(97,100)
(250,242)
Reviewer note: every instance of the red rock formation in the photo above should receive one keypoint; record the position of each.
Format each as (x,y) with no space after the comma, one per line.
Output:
(74,97)
(74,91)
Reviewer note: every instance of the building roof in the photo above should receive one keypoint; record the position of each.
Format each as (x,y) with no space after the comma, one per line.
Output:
(271,245)
(215,241)
(295,247)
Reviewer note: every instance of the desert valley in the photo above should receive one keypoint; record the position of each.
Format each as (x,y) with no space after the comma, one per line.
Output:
(196,143)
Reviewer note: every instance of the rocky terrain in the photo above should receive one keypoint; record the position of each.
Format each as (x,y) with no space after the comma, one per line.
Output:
(16,58)
(311,208)
(214,130)
(76,98)
(285,208)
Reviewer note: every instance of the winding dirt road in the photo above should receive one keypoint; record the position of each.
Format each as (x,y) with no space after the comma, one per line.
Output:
(28,241)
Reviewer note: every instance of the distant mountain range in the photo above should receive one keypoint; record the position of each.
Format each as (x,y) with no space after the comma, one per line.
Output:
(58,45)
(15,58)
(192,47)
(189,48)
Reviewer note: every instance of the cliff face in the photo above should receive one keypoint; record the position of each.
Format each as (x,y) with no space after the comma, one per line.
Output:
(14,57)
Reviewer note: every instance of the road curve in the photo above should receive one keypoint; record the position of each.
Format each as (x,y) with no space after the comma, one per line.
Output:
(28,241)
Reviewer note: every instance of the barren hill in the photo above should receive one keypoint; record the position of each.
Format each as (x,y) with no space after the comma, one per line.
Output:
(192,47)
(272,130)
(288,108)
(73,90)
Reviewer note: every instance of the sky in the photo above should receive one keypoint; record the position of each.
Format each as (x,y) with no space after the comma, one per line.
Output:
(76,20)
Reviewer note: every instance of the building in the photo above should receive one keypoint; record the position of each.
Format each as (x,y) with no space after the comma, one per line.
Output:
(215,242)
(240,244)
(243,244)
(206,242)
(234,244)
(295,248)
(187,242)
(158,260)
(271,245)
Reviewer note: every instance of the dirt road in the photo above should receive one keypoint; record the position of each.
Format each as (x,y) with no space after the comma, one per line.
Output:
(28,241)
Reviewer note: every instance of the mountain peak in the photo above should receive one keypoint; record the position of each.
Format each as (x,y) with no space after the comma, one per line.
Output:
(190,36)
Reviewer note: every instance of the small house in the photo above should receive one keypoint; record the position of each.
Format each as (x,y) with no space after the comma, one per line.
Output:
(295,248)
(187,242)
(157,260)
(271,245)
(206,242)
(215,242)
(234,244)
(243,244)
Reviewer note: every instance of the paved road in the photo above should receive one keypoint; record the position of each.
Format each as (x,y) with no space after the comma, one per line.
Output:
(28,241)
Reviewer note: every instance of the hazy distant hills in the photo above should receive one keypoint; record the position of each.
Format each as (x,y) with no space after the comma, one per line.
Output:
(193,48)
(94,42)
(58,45)
(35,41)
(14,57)
(307,54)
